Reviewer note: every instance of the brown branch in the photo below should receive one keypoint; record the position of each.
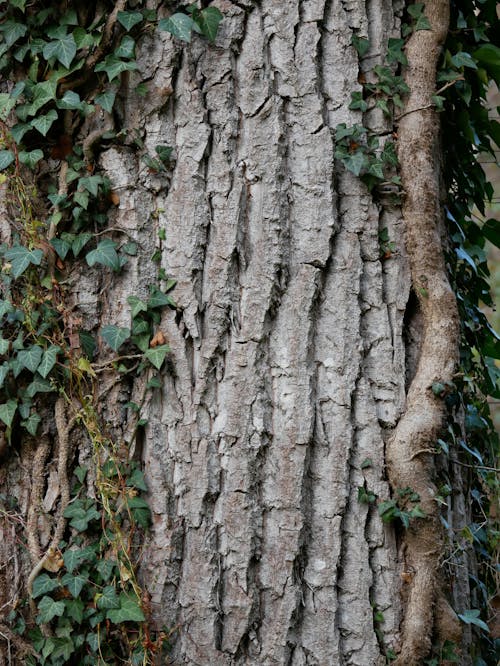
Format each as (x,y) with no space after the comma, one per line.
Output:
(420,424)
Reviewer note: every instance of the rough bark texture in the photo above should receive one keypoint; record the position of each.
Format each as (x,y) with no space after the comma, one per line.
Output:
(288,356)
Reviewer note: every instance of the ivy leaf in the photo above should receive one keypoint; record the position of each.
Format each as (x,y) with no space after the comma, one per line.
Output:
(12,31)
(19,4)
(156,355)
(361,44)
(63,48)
(30,358)
(70,100)
(39,385)
(179,25)
(137,305)
(7,103)
(140,511)
(129,611)
(105,569)
(30,158)
(91,184)
(114,336)
(21,257)
(129,19)
(208,20)
(472,617)
(74,609)
(42,93)
(488,55)
(44,584)
(491,230)
(80,241)
(48,360)
(106,100)
(31,423)
(158,299)
(61,246)
(126,48)
(7,412)
(108,598)
(48,609)
(462,59)
(113,66)
(4,345)
(44,123)
(4,371)
(6,159)
(74,583)
(355,162)
(104,254)
(136,480)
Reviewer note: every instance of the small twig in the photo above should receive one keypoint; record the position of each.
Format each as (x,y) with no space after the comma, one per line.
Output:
(489,469)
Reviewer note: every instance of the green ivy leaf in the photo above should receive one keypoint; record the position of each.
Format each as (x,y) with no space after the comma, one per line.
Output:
(355,162)
(19,4)
(488,55)
(12,31)
(48,360)
(129,19)
(61,246)
(44,123)
(129,611)
(21,257)
(108,598)
(105,568)
(137,305)
(462,59)
(49,609)
(91,184)
(158,299)
(113,67)
(80,241)
(4,345)
(39,385)
(156,355)
(126,48)
(42,93)
(361,44)
(6,159)
(7,412)
(30,158)
(30,358)
(7,103)
(114,336)
(106,100)
(472,617)
(179,25)
(31,424)
(70,100)
(104,254)
(136,480)
(74,583)
(208,20)
(63,48)
(43,584)
(74,609)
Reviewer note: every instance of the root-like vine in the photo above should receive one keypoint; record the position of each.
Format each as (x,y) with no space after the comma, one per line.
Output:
(419,427)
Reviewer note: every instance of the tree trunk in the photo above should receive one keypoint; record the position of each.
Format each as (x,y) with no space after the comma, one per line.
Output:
(293,343)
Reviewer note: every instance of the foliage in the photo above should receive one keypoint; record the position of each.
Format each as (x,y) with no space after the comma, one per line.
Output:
(66,64)
(471,61)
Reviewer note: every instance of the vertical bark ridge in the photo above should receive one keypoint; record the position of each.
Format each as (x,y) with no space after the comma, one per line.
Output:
(277,393)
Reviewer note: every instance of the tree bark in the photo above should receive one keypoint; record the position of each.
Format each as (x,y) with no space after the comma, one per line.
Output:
(291,355)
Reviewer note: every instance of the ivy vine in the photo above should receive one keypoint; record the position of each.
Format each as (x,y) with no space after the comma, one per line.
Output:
(61,65)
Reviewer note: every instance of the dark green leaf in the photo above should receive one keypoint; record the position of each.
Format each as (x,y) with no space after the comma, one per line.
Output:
(126,48)
(21,257)
(70,100)
(158,299)
(129,610)
(39,385)
(31,423)
(48,609)
(179,25)
(488,55)
(108,598)
(472,617)
(44,584)
(361,44)
(42,93)
(136,480)
(208,21)
(61,246)
(63,48)
(48,360)
(7,412)
(6,159)
(30,158)
(74,609)
(129,19)
(115,336)
(156,355)
(30,358)
(113,67)
(74,583)
(106,100)
(104,254)
(137,305)
(44,123)
(12,31)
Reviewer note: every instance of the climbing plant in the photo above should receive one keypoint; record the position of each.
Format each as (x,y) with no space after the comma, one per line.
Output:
(62,65)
